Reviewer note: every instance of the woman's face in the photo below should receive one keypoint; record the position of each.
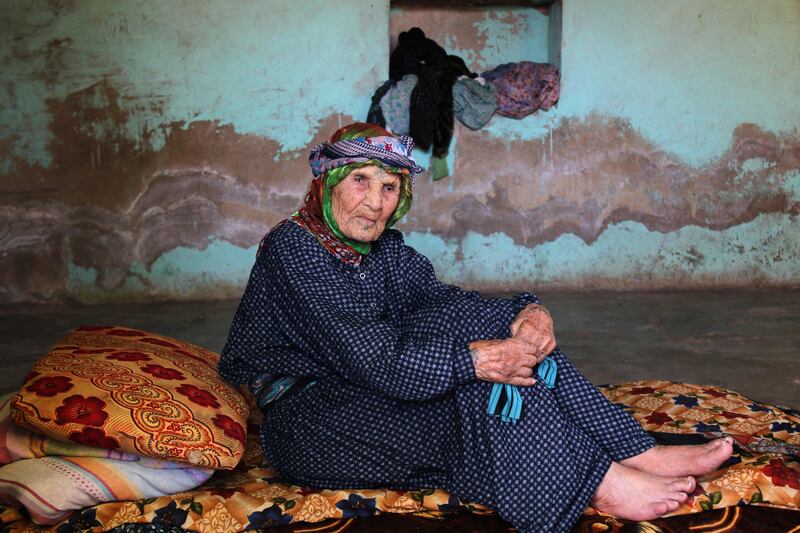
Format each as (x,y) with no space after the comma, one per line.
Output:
(363,202)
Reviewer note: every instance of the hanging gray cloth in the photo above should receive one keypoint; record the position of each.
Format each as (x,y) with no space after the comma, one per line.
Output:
(473,103)
(396,103)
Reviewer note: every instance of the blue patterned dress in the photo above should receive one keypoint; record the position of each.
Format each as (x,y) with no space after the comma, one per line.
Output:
(394,400)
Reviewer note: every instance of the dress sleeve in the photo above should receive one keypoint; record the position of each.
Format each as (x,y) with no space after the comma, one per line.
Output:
(256,344)
(425,289)
(320,316)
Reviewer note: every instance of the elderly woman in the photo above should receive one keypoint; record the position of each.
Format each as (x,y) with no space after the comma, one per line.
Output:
(372,373)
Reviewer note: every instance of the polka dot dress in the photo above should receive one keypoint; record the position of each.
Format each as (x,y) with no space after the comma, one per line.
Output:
(395,402)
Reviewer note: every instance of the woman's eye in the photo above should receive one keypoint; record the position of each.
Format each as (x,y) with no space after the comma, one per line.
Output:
(388,188)
(358,179)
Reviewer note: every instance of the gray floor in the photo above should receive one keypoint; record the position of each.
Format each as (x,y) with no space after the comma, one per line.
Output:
(747,341)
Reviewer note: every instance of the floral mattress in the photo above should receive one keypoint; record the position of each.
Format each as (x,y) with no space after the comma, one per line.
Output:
(112,419)
(252,496)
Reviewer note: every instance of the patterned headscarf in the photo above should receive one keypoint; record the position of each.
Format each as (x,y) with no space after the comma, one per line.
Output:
(353,146)
(390,151)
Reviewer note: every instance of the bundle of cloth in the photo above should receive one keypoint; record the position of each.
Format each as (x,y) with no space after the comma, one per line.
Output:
(524,88)
(428,88)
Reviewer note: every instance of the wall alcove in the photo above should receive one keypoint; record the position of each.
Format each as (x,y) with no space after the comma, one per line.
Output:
(485,31)
(484,34)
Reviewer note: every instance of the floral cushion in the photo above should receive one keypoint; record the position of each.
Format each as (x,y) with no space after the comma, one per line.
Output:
(136,392)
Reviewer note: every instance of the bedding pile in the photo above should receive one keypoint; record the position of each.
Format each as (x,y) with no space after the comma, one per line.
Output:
(113,414)
(248,494)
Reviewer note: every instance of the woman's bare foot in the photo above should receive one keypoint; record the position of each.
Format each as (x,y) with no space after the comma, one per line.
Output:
(684,460)
(635,495)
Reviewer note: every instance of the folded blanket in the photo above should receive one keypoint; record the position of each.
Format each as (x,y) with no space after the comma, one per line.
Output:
(51,488)
(18,443)
(52,479)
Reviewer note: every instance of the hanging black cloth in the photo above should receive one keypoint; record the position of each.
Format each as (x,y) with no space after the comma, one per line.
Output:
(431,107)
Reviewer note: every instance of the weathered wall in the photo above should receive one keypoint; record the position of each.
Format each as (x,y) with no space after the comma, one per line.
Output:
(145,148)
(671,160)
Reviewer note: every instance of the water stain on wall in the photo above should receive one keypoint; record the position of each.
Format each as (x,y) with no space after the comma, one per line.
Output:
(122,185)
(107,201)
(599,171)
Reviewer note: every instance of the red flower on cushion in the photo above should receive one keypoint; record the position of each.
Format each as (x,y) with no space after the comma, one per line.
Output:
(129,356)
(87,411)
(126,333)
(780,474)
(91,351)
(230,427)
(196,357)
(30,375)
(658,418)
(698,491)
(642,390)
(224,492)
(198,396)
(93,437)
(162,373)
(50,386)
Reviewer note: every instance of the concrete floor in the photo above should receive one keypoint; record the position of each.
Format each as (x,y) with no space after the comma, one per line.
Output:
(747,341)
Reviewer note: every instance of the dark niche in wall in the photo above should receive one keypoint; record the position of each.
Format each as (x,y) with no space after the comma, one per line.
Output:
(436,17)
(472,3)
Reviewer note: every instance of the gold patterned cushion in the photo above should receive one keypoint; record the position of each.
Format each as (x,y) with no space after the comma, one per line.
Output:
(137,392)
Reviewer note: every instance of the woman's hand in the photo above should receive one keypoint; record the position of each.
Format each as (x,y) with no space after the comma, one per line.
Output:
(504,361)
(535,326)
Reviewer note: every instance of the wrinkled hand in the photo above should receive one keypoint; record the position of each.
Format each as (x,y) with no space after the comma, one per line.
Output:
(504,361)
(534,326)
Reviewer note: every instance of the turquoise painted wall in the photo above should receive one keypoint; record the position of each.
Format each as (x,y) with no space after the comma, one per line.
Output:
(684,73)
(146,147)
(110,113)
(675,139)
(272,68)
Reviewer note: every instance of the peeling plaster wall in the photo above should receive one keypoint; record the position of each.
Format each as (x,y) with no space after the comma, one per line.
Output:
(146,147)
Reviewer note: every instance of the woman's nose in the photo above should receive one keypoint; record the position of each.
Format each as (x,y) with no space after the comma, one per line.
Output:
(374,198)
